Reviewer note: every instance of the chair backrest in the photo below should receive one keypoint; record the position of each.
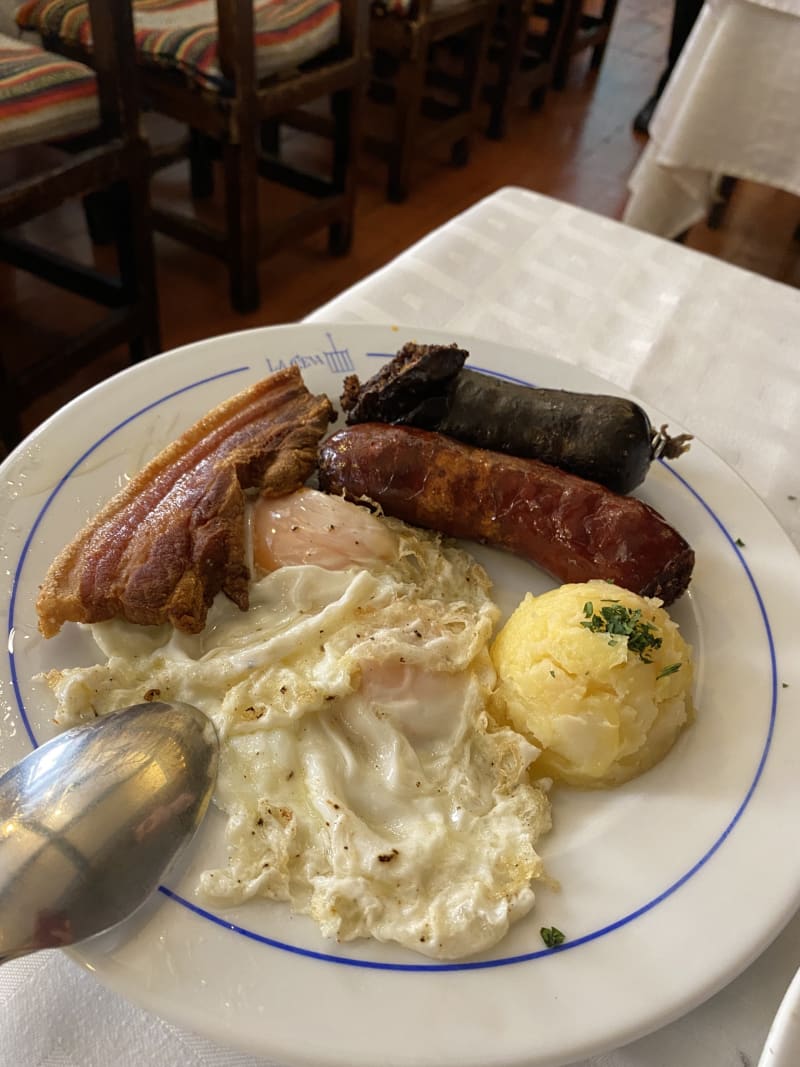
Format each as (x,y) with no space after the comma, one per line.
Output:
(354,27)
(114,60)
(235,28)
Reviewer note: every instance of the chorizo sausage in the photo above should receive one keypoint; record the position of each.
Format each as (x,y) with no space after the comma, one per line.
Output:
(574,529)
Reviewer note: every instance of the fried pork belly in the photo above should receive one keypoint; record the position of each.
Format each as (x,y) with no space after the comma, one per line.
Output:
(164,546)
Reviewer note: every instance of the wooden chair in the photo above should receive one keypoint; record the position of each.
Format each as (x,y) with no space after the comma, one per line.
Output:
(583,30)
(525,44)
(431,107)
(230,79)
(91,117)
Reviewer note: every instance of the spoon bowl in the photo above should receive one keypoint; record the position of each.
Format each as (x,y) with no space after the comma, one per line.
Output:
(91,821)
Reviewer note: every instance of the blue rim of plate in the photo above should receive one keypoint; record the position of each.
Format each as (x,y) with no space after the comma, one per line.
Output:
(469,965)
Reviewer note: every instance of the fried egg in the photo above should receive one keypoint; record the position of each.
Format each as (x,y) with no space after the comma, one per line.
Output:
(363,778)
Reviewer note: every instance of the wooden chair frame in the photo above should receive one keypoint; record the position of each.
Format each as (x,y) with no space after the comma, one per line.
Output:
(583,31)
(240,124)
(523,62)
(114,160)
(409,42)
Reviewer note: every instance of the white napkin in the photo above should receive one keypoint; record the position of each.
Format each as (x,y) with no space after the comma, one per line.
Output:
(54,1014)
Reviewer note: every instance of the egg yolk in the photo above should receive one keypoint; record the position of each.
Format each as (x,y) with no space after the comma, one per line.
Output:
(308,526)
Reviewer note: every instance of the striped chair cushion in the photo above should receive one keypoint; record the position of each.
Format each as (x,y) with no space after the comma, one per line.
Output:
(43,97)
(182,34)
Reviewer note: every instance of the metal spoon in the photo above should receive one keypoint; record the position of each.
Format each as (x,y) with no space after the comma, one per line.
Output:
(90,821)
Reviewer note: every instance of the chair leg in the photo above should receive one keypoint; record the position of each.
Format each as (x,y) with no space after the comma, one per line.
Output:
(201,165)
(598,54)
(10,426)
(346,110)
(136,254)
(410,87)
(240,164)
(498,121)
(719,208)
(340,237)
(461,151)
(537,98)
(609,8)
(99,218)
(270,137)
(476,45)
(505,91)
(572,21)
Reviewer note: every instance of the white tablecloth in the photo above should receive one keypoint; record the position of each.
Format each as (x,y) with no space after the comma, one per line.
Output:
(714,346)
(732,107)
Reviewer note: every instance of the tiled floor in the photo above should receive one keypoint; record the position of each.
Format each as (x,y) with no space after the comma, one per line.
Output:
(579,147)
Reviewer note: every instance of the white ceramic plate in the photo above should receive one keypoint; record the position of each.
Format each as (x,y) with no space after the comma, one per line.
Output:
(671,885)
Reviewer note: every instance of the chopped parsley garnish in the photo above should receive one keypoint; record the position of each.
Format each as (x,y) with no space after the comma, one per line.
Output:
(618,621)
(740,542)
(668,670)
(552,936)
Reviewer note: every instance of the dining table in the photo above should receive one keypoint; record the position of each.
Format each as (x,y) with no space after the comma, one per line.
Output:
(713,345)
(731,110)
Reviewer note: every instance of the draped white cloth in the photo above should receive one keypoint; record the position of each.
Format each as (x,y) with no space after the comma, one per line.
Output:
(731,107)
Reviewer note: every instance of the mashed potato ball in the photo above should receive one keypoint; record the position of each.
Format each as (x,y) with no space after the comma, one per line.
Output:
(598,677)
